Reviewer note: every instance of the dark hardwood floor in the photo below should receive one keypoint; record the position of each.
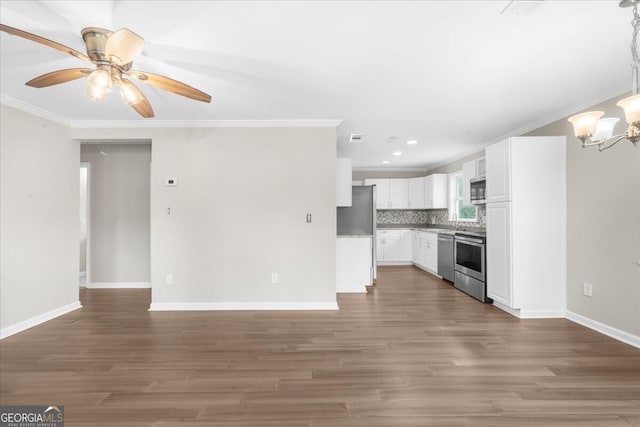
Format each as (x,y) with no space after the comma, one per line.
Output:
(412,352)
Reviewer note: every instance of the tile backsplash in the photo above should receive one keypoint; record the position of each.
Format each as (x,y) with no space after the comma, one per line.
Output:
(430,217)
(401,217)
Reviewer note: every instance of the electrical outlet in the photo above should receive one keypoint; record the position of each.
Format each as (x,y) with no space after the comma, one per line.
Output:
(169,279)
(275,278)
(588,290)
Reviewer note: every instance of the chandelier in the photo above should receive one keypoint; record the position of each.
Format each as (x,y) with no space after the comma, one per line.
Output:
(590,128)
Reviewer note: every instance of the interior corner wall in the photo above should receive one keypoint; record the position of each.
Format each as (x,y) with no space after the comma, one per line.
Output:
(120,212)
(39,221)
(239,214)
(456,166)
(603,232)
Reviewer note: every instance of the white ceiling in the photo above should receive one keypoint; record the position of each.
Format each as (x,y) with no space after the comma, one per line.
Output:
(455,75)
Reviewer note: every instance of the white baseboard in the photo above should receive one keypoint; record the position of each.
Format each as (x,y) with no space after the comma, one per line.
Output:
(542,314)
(119,285)
(515,312)
(221,306)
(610,331)
(35,321)
(531,314)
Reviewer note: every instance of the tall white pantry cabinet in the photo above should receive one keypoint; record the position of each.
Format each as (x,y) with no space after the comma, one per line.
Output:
(526,226)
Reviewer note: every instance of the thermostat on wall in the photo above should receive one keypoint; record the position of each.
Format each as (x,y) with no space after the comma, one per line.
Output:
(171,182)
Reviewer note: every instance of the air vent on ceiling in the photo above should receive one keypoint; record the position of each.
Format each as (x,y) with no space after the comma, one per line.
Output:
(521,7)
(356,137)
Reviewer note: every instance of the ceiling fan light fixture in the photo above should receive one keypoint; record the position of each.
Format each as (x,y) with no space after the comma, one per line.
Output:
(98,84)
(112,53)
(130,93)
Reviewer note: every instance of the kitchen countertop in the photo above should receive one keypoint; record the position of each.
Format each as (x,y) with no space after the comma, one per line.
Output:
(443,229)
(343,236)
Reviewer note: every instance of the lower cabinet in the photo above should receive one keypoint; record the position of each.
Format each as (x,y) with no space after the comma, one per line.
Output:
(406,246)
(425,250)
(393,245)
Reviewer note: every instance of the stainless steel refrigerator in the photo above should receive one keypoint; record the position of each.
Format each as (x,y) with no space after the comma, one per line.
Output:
(360,218)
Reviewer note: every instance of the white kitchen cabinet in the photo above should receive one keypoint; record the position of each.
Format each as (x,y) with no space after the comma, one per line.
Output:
(481,167)
(399,193)
(526,235)
(499,258)
(430,247)
(390,193)
(425,250)
(436,194)
(394,246)
(354,258)
(383,199)
(416,248)
(468,173)
(416,193)
(343,182)
(498,160)
(405,245)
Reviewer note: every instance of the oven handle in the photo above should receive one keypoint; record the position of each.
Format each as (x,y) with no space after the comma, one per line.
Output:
(471,240)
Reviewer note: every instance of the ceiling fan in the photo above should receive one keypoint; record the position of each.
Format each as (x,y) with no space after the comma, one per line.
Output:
(113,54)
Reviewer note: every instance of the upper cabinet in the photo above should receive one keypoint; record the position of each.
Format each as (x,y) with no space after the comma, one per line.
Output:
(498,172)
(390,193)
(470,170)
(430,192)
(416,193)
(468,173)
(436,191)
(343,182)
(481,167)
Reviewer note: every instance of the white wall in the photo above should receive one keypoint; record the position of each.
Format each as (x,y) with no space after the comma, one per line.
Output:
(239,214)
(39,221)
(120,212)
(603,232)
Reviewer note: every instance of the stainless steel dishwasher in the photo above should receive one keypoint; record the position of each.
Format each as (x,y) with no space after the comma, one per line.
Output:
(445,256)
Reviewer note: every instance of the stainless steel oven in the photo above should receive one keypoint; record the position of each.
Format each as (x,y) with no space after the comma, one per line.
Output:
(470,264)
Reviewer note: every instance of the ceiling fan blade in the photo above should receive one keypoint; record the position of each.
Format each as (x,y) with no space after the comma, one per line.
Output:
(123,46)
(46,42)
(170,85)
(144,108)
(57,77)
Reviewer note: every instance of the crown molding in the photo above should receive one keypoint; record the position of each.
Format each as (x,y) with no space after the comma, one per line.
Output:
(36,111)
(383,169)
(129,124)
(567,112)
(146,124)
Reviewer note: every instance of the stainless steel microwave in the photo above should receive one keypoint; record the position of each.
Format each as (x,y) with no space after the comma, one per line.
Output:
(478,188)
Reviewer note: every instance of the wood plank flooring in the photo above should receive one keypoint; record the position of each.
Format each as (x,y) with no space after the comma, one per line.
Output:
(412,352)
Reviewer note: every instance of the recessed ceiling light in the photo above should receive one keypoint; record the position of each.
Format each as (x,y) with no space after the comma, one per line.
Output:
(385,162)
(412,142)
(397,153)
